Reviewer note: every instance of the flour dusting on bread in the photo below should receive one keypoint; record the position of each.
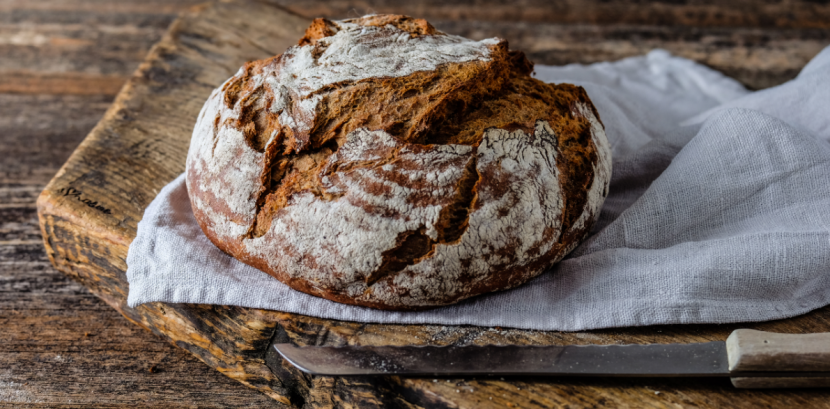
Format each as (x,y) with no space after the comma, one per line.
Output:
(383,163)
(356,52)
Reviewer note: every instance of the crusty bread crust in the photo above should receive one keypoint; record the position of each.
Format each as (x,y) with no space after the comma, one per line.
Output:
(386,164)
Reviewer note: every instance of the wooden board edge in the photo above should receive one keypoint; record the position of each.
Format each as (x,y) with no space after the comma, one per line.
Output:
(93,250)
(191,327)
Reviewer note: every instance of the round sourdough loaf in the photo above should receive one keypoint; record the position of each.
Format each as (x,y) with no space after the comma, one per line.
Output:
(386,164)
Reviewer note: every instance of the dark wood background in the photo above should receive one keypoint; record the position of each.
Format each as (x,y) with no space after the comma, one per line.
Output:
(62,62)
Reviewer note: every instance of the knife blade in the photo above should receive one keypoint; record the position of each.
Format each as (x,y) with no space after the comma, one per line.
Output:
(751,358)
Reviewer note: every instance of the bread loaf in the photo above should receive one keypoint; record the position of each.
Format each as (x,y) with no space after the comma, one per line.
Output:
(383,163)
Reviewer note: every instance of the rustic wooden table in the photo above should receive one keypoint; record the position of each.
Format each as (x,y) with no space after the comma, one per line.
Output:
(62,62)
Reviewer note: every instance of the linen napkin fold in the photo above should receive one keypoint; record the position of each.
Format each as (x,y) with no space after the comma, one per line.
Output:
(718,211)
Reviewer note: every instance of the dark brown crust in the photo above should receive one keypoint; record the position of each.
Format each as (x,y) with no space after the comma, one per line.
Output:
(319,28)
(414,26)
(455,104)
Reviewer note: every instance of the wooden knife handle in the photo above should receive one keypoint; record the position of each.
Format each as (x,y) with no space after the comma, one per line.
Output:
(757,351)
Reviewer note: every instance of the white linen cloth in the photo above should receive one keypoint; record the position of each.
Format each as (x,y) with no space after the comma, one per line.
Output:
(719,211)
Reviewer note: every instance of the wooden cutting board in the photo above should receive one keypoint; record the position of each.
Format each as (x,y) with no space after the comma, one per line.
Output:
(89,212)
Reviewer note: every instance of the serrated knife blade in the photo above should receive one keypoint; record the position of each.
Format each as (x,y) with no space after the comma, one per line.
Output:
(746,354)
(707,359)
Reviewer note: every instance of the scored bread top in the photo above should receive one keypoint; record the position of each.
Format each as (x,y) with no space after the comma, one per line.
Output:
(384,163)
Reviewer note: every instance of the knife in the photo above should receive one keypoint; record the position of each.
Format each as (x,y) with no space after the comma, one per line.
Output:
(752,359)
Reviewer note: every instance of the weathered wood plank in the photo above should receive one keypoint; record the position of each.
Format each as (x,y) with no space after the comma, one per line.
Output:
(700,13)
(738,13)
(107,48)
(144,383)
(53,48)
(43,313)
(68,346)
(758,58)
(98,44)
(60,344)
(56,353)
(100,6)
(22,82)
(139,147)
(39,132)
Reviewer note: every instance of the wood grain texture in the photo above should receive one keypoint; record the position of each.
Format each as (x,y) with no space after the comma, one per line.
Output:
(88,46)
(772,382)
(23,82)
(758,58)
(90,210)
(61,346)
(751,350)
(697,13)
(48,315)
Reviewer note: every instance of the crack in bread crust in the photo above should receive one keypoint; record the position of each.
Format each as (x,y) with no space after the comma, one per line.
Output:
(414,246)
(386,164)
